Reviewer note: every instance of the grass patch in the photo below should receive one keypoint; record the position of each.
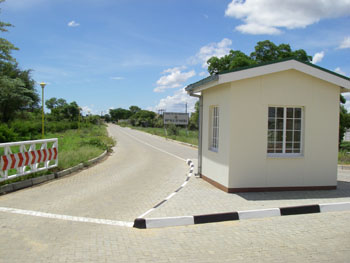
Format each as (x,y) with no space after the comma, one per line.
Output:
(191,138)
(344,157)
(75,147)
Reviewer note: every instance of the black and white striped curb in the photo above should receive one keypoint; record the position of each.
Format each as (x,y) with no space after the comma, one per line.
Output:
(239,215)
(189,175)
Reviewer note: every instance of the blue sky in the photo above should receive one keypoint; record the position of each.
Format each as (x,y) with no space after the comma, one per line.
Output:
(116,53)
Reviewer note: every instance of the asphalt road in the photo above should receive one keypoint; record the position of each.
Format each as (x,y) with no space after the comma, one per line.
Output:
(85,217)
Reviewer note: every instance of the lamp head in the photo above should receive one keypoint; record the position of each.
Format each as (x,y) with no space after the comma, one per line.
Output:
(43,84)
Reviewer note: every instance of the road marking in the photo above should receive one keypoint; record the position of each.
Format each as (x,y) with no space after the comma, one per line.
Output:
(66,217)
(190,163)
(150,145)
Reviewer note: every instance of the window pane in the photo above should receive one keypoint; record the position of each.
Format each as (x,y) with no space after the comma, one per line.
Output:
(289,124)
(278,150)
(289,151)
(279,136)
(279,145)
(297,125)
(270,150)
(289,145)
(296,151)
(272,124)
(279,124)
(270,145)
(289,135)
(297,113)
(296,146)
(271,136)
(280,112)
(289,112)
(297,136)
(272,112)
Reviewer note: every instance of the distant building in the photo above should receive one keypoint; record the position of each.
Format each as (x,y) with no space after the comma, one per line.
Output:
(270,127)
(347,136)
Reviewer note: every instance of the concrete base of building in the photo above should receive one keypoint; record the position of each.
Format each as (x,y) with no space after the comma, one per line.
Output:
(266,189)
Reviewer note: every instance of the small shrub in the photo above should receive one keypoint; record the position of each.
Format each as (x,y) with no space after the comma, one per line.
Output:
(7,134)
(173,130)
(345,146)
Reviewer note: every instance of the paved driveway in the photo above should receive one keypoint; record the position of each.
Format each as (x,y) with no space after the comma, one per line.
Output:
(142,171)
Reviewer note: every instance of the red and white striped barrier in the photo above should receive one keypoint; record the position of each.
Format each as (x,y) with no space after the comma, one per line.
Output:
(28,160)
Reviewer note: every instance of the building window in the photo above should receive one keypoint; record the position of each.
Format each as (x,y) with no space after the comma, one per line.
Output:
(284,136)
(214,129)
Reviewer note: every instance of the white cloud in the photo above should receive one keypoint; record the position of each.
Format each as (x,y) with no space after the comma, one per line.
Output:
(317,57)
(73,24)
(268,16)
(345,43)
(173,78)
(177,102)
(87,110)
(339,71)
(117,78)
(218,49)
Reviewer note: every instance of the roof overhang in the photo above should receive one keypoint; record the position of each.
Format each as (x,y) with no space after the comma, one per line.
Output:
(260,70)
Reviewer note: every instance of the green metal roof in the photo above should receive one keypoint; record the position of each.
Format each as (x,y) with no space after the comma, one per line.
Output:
(202,82)
(216,76)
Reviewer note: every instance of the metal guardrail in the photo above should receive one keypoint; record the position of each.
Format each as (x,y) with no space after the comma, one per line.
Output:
(29,159)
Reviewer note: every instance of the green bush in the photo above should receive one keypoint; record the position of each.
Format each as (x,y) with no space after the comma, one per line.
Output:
(345,146)
(173,129)
(7,134)
(26,130)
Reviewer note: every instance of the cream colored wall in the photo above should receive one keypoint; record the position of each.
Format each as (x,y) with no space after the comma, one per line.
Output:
(248,102)
(215,165)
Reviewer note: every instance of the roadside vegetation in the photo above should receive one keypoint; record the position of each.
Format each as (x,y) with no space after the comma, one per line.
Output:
(172,132)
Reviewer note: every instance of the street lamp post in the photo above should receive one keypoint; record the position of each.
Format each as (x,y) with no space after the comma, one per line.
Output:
(42,84)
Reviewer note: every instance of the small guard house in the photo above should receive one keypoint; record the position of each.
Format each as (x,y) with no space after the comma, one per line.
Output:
(270,127)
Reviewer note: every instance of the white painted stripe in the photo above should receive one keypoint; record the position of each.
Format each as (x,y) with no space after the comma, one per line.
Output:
(169,221)
(184,184)
(170,196)
(17,160)
(146,213)
(66,217)
(259,213)
(333,207)
(150,145)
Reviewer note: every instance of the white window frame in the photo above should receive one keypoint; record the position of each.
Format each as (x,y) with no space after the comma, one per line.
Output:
(214,112)
(284,154)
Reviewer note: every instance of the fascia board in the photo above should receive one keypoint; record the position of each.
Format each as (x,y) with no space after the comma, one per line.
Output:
(205,86)
(282,66)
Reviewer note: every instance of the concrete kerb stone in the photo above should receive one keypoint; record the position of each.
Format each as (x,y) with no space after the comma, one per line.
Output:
(144,223)
(8,188)
(344,167)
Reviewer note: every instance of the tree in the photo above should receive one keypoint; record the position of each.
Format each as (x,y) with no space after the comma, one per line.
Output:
(344,119)
(17,91)
(264,52)
(54,103)
(60,109)
(194,119)
(119,114)
(143,118)
(235,59)
(267,51)
(6,46)
(134,109)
